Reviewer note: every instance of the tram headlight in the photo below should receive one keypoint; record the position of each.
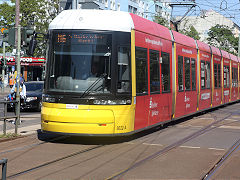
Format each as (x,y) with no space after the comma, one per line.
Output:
(112,102)
(47,98)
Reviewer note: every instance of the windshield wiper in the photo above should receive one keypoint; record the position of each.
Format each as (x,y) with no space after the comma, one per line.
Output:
(88,90)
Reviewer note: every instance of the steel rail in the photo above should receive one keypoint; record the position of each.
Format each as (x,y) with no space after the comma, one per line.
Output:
(172,146)
(34,144)
(54,161)
(227,155)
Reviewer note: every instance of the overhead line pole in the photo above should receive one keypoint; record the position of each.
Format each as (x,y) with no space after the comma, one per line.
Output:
(18,47)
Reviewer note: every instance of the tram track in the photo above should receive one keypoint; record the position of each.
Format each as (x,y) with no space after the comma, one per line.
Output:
(34,144)
(52,162)
(70,156)
(222,160)
(172,146)
(133,164)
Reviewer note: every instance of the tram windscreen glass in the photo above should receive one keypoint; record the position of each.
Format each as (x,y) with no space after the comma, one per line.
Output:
(80,62)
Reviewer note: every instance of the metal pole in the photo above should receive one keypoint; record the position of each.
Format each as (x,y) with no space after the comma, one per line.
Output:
(3,68)
(18,79)
(74,4)
(4,168)
(239,44)
(17,59)
(5,123)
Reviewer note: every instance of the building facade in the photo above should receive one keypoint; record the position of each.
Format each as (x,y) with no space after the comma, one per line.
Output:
(145,8)
(208,19)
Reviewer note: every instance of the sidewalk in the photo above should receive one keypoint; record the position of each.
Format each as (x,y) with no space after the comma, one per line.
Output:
(31,123)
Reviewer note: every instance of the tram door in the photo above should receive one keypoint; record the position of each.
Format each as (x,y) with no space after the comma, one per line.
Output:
(160,102)
(142,97)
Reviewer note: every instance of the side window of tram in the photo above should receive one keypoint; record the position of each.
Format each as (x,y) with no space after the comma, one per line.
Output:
(193,66)
(154,71)
(141,71)
(217,75)
(124,70)
(180,73)
(205,75)
(187,73)
(165,69)
(226,76)
(234,77)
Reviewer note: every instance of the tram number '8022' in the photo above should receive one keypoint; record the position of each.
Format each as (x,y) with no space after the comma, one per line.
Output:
(121,127)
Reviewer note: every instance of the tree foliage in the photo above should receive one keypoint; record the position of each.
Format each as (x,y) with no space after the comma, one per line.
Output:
(161,20)
(38,13)
(192,32)
(222,37)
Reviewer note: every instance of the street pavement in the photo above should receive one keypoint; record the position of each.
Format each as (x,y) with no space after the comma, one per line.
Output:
(30,121)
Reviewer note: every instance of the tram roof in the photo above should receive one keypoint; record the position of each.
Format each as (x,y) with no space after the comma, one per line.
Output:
(215,51)
(203,46)
(93,20)
(184,40)
(144,25)
(233,58)
(225,54)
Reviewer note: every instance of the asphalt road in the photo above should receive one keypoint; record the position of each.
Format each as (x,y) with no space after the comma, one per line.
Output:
(184,150)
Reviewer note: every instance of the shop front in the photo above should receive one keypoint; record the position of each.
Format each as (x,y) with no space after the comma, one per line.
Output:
(32,69)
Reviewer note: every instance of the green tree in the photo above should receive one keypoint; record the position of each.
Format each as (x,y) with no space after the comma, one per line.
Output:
(192,33)
(161,20)
(222,37)
(38,13)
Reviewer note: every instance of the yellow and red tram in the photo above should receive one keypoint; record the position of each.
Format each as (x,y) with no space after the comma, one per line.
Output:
(115,73)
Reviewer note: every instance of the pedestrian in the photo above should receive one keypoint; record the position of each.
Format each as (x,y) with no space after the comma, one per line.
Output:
(22,89)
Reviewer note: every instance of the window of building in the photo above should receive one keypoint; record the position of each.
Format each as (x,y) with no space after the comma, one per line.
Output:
(154,71)
(141,71)
(165,75)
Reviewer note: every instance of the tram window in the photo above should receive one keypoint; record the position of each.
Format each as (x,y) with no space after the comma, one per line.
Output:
(219,75)
(124,70)
(234,77)
(187,73)
(165,68)
(193,66)
(141,70)
(208,77)
(202,74)
(215,76)
(226,77)
(154,71)
(180,73)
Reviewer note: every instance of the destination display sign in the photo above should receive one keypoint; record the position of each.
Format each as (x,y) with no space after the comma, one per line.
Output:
(80,38)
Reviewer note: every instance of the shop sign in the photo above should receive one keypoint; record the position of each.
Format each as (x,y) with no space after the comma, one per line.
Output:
(26,59)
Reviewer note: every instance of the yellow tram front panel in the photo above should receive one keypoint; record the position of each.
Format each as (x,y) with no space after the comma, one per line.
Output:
(87,119)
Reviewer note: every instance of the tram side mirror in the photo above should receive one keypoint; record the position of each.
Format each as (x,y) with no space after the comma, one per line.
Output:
(32,46)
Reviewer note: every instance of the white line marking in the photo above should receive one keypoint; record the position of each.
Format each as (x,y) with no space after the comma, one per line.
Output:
(191,147)
(152,144)
(229,127)
(218,149)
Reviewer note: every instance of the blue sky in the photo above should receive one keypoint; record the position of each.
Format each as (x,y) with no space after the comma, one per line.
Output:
(228,8)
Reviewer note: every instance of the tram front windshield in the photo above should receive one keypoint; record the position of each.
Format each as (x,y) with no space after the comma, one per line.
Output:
(80,62)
